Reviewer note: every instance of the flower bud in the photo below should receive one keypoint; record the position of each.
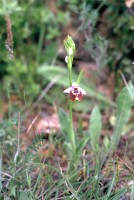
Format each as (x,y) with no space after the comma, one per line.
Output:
(66,59)
(69,45)
(70,51)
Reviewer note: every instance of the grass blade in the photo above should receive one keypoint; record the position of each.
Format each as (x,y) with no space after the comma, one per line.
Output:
(119,194)
(81,146)
(111,185)
(80,77)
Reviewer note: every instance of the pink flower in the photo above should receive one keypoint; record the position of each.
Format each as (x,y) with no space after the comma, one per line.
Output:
(75,92)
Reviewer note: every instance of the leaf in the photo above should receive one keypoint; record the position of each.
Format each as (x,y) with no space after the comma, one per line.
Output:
(81,146)
(24,195)
(80,77)
(124,104)
(106,143)
(2,132)
(111,186)
(95,127)
(68,148)
(13,191)
(130,88)
(64,122)
(60,76)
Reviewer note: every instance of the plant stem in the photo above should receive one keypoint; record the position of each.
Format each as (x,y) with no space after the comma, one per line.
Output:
(71,131)
(69,65)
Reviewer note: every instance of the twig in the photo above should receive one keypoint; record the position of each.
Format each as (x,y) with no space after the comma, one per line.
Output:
(47,88)
(30,126)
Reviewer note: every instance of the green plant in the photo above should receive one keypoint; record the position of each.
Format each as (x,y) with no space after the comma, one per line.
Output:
(75,93)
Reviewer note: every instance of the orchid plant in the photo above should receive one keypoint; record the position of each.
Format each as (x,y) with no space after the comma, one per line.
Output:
(76,93)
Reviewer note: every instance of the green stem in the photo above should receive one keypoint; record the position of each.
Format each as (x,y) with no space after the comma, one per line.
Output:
(71,131)
(69,65)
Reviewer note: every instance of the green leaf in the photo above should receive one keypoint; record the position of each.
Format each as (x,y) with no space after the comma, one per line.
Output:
(24,195)
(124,104)
(54,73)
(112,183)
(95,127)
(64,122)
(130,88)
(13,191)
(106,143)
(80,77)
(68,148)
(81,146)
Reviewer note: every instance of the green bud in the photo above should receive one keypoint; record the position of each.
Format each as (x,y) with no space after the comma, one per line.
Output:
(69,45)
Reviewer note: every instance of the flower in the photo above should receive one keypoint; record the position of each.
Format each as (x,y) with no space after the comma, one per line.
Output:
(75,92)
